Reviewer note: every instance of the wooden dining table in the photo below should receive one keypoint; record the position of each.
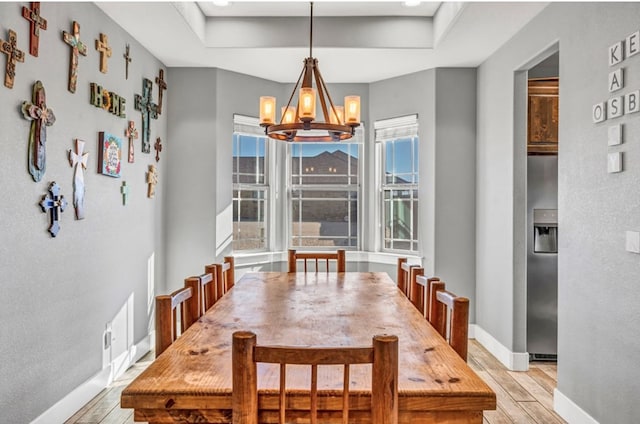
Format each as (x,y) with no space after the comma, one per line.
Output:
(190,382)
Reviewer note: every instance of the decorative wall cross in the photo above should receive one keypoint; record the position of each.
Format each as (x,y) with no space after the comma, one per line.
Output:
(152,179)
(124,189)
(77,47)
(127,60)
(78,159)
(158,147)
(14,55)
(102,45)
(162,85)
(131,133)
(37,22)
(41,117)
(54,204)
(148,109)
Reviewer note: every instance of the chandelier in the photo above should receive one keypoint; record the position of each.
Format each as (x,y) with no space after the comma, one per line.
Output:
(300,123)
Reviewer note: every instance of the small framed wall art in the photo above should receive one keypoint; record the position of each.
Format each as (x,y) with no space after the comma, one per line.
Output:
(110,154)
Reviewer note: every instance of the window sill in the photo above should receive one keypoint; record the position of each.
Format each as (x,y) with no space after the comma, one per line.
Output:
(257,258)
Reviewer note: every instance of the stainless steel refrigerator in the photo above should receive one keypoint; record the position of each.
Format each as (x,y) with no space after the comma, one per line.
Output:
(542,257)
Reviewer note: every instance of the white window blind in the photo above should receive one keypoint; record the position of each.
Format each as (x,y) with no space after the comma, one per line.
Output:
(400,127)
(247,125)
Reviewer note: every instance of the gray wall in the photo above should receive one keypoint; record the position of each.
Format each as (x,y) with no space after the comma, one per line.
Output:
(191,174)
(57,294)
(597,333)
(455,126)
(444,99)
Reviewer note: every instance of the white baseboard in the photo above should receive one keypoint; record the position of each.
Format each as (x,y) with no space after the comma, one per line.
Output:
(68,405)
(568,410)
(472,331)
(514,361)
(81,395)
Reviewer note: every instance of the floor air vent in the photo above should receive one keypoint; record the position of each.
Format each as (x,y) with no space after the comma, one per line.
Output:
(543,357)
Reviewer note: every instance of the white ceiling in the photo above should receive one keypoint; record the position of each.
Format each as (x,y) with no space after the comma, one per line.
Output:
(320,8)
(353,41)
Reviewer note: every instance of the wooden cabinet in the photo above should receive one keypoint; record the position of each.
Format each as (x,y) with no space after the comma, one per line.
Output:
(542,132)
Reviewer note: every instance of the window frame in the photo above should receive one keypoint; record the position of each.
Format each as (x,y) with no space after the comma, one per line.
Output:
(292,187)
(249,127)
(391,131)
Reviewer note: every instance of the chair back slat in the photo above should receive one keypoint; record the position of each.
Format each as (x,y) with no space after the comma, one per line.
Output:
(339,256)
(246,353)
(320,355)
(167,316)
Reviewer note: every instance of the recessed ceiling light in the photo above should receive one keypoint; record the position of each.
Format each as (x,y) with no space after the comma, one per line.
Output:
(220,3)
(412,3)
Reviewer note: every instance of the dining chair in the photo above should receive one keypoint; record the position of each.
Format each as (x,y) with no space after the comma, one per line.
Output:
(338,256)
(217,293)
(422,293)
(246,354)
(456,311)
(407,274)
(205,288)
(224,276)
(167,313)
(437,315)
(413,288)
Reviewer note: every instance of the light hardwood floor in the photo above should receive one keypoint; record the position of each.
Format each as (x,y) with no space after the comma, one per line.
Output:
(523,397)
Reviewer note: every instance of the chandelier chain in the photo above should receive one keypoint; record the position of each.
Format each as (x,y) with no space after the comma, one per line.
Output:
(311,32)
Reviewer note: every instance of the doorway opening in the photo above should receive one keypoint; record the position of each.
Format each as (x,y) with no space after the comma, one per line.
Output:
(542,209)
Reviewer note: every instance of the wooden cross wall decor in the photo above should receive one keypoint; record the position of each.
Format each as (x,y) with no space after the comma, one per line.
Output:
(41,117)
(158,147)
(77,47)
(78,159)
(149,110)
(14,55)
(131,133)
(37,23)
(124,189)
(102,45)
(152,180)
(54,204)
(127,60)
(162,85)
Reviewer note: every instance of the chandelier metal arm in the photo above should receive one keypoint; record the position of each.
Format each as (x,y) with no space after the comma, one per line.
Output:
(293,92)
(321,93)
(323,86)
